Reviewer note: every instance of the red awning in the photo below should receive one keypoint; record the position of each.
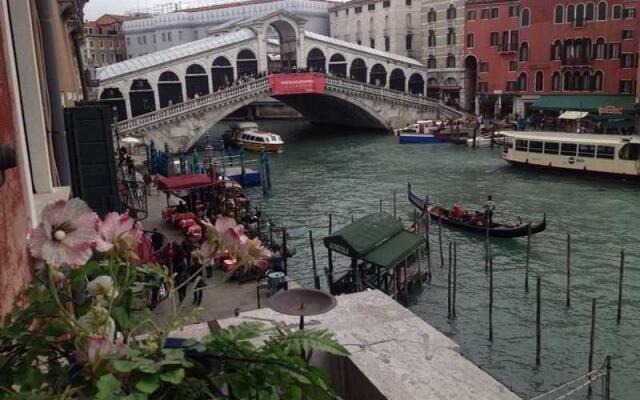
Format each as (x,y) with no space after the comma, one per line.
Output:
(182,182)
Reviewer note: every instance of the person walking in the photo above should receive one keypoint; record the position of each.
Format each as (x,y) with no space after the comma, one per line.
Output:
(182,277)
(196,274)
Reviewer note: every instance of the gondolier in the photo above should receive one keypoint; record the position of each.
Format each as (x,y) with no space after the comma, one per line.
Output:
(489,208)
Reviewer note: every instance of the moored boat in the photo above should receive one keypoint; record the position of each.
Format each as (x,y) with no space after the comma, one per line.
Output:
(420,132)
(247,135)
(476,222)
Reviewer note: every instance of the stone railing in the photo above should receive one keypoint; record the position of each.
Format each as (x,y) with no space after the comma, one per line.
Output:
(215,99)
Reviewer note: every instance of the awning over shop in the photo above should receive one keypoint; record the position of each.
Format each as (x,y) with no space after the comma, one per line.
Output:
(611,122)
(184,182)
(376,238)
(587,103)
(573,115)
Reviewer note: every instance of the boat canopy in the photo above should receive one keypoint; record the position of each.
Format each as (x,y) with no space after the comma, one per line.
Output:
(379,239)
(588,103)
(581,138)
(573,115)
(185,182)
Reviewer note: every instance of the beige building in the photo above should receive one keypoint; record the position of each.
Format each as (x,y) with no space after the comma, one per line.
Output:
(442,27)
(387,25)
(104,43)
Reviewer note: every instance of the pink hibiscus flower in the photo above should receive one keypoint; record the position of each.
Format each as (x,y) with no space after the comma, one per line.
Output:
(93,348)
(119,234)
(252,253)
(226,236)
(65,235)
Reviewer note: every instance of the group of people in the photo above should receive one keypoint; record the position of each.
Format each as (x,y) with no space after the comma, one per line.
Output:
(458,213)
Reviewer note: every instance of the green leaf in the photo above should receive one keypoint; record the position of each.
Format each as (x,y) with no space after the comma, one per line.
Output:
(124,366)
(148,366)
(310,339)
(174,376)
(108,386)
(137,396)
(294,393)
(148,384)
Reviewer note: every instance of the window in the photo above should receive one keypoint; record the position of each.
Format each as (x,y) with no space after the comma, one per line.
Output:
(627,34)
(513,65)
(602,11)
(571,13)
(559,14)
(586,150)
(451,12)
(484,67)
(169,37)
(357,10)
(451,61)
(408,41)
(512,86)
(494,39)
(617,12)
(483,87)
(524,51)
(626,86)
(568,81)
(597,81)
(514,11)
(128,42)
(432,16)
(118,44)
(494,12)
(484,13)
(590,13)
(605,152)
(556,50)
(371,7)
(372,43)
(431,41)
(613,50)
(525,17)
(179,35)
(470,40)
(522,145)
(407,2)
(539,81)
(522,82)
(346,11)
(568,149)
(387,43)
(627,60)
(535,146)
(451,37)
(580,15)
(385,4)
(471,15)
(600,50)
(551,148)
(629,13)
(102,58)
(431,62)
(555,81)
(408,20)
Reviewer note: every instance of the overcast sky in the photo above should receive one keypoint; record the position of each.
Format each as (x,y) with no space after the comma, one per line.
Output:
(96,8)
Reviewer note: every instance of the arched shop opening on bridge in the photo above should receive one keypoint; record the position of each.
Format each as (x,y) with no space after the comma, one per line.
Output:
(397,80)
(169,89)
(197,81)
(416,84)
(358,70)
(142,97)
(316,61)
(378,75)
(114,97)
(285,35)
(247,63)
(470,81)
(338,65)
(222,71)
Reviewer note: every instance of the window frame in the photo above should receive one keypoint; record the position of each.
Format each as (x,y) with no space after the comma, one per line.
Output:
(564,152)
(546,149)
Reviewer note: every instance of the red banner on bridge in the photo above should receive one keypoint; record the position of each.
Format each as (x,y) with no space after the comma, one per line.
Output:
(282,84)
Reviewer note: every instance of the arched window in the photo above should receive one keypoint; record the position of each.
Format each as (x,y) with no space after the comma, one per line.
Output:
(571,13)
(602,11)
(524,51)
(432,16)
(408,20)
(431,42)
(559,15)
(525,17)
(371,25)
(600,49)
(597,81)
(431,62)
(451,61)
(568,81)
(587,83)
(577,81)
(580,15)
(451,37)
(451,12)
(555,81)
(539,81)
(589,14)
(556,50)
(522,82)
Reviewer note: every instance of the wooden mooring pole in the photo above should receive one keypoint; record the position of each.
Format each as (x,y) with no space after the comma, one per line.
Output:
(394,205)
(380,205)
(428,246)
(455,278)
(487,256)
(491,300)
(330,257)
(538,320)
(285,252)
(526,264)
(316,278)
(620,282)
(449,284)
(440,243)
(568,270)
(592,339)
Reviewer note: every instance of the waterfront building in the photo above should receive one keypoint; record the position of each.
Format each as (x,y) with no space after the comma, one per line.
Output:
(520,51)
(442,50)
(147,35)
(39,76)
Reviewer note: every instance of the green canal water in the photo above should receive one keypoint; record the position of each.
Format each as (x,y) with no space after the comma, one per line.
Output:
(345,173)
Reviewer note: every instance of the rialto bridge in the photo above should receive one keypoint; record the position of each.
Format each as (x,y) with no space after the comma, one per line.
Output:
(174,95)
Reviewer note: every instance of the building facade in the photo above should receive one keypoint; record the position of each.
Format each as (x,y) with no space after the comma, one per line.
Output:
(104,41)
(442,50)
(147,35)
(519,50)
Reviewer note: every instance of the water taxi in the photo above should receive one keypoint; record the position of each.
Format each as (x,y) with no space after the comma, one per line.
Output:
(587,154)
(420,132)
(247,135)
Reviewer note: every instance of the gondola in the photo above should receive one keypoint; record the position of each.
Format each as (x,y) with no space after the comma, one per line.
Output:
(496,230)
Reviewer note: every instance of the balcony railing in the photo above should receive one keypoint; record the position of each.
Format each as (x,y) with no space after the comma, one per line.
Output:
(508,47)
(573,61)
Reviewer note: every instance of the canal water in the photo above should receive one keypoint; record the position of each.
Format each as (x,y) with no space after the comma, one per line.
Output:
(345,173)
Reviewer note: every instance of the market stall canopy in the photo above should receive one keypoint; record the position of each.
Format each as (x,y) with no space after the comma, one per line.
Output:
(588,103)
(376,238)
(184,182)
(573,115)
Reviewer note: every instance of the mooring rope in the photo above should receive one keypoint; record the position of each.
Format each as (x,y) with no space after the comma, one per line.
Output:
(590,377)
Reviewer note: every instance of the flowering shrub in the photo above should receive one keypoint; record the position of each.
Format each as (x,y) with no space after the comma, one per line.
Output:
(82,329)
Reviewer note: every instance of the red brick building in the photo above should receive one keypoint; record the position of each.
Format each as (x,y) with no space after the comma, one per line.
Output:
(523,49)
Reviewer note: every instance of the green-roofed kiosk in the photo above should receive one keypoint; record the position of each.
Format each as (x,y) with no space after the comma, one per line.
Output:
(380,250)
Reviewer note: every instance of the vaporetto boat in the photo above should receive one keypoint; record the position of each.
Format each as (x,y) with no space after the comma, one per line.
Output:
(586,154)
